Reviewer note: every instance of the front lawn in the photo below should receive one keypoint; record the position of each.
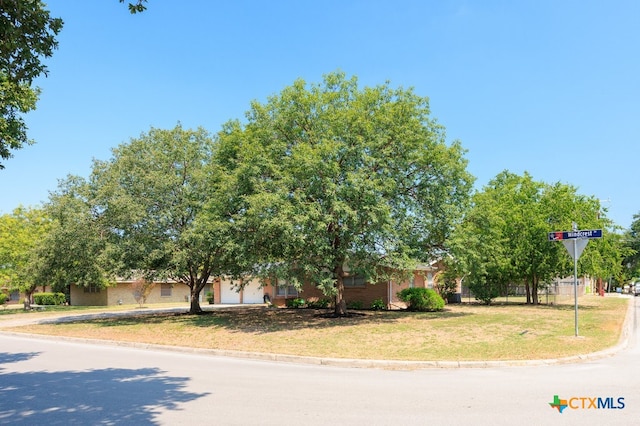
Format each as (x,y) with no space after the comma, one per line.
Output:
(460,332)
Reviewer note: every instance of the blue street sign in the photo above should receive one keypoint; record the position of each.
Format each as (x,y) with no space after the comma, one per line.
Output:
(569,235)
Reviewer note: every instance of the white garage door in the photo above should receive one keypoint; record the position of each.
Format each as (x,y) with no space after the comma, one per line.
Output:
(228,293)
(252,292)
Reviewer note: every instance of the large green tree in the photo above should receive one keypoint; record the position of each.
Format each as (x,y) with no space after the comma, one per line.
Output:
(27,35)
(343,180)
(631,263)
(20,234)
(504,238)
(74,250)
(164,204)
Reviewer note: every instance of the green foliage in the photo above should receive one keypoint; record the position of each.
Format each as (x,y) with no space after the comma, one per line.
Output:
(49,298)
(334,176)
(21,235)
(28,34)
(137,7)
(209,297)
(355,304)
(503,238)
(446,284)
(3,298)
(631,259)
(485,290)
(296,303)
(421,299)
(169,209)
(73,250)
(378,305)
(318,303)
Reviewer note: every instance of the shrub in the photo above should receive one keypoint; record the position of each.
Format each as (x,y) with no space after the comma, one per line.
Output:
(3,298)
(355,304)
(49,298)
(446,286)
(141,290)
(485,291)
(378,305)
(421,299)
(298,302)
(318,303)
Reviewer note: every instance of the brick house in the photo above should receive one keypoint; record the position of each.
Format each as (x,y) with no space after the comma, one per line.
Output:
(225,291)
(358,291)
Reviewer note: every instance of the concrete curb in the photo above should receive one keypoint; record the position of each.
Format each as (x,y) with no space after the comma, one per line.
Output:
(625,337)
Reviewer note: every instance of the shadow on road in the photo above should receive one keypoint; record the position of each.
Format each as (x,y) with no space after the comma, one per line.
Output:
(6,358)
(107,396)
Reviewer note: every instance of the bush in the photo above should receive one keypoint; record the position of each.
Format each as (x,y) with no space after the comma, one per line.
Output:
(3,298)
(446,286)
(485,291)
(318,303)
(298,302)
(141,290)
(421,299)
(355,304)
(49,298)
(378,305)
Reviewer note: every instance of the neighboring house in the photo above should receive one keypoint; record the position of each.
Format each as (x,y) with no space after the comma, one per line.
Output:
(358,291)
(13,296)
(123,293)
(16,296)
(254,292)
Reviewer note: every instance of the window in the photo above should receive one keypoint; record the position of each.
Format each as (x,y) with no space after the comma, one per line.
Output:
(285,290)
(92,288)
(165,290)
(354,281)
(14,296)
(429,280)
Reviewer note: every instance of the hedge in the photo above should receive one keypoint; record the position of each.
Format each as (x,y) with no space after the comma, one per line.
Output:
(49,298)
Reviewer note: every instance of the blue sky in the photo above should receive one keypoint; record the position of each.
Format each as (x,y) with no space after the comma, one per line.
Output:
(548,87)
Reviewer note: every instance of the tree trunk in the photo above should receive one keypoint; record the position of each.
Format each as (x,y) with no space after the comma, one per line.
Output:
(27,299)
(527,289)
(196,285)
(340,304)
(195,302)
(600,287)
(534,291)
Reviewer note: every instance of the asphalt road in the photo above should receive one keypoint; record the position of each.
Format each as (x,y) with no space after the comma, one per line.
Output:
(50,382)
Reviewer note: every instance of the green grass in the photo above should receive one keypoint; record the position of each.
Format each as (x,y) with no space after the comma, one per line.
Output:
(17,310)
(460,332)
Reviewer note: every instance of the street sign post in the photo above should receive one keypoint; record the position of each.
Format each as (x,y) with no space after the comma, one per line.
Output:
(575,241)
